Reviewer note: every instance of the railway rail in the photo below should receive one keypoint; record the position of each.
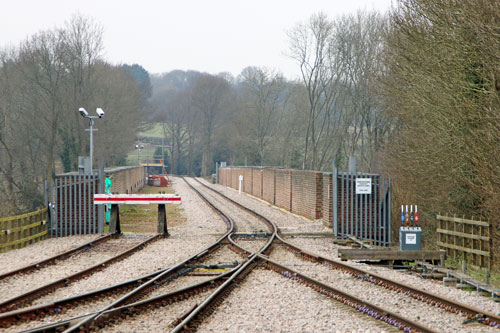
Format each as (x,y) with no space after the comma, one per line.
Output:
(137,288)
(469,312)
(253,257)
(50,261)
(27,297)
(194,319)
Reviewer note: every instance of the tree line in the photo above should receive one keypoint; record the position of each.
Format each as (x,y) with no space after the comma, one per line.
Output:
(261,118)
(413,94)
(43,83)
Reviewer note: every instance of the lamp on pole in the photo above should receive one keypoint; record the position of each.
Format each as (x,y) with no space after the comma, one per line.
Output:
(139,148)
(85,114)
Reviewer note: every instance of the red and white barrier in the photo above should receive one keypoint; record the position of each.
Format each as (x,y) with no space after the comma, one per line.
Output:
(136,199)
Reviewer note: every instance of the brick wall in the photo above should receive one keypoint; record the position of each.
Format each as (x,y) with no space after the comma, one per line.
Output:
(126,179)
(298,191)
(268,185)
(247,180)
(327,208)
(284,189)
(257,182)
(307,193)
(234,178)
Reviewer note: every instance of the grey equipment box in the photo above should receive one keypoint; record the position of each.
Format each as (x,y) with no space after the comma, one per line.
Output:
(410,239)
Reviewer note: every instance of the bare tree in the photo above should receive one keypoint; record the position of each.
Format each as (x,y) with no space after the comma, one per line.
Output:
(359,45)
(209,96)
(82,50)
(42,83)
(311,45)
(263,101)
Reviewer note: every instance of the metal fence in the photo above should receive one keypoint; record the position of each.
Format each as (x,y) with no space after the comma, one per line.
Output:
(364,215)
(74,212)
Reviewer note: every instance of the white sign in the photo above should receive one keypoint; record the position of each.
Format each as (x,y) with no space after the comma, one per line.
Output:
(240,184)
(363,186)
(411,238)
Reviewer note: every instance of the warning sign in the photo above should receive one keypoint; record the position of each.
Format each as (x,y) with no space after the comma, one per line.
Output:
(363,186)
(411,238)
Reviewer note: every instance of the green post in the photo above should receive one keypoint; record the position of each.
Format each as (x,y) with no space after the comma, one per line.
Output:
(108,191)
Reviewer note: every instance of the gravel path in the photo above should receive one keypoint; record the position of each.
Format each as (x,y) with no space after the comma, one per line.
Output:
(34,253)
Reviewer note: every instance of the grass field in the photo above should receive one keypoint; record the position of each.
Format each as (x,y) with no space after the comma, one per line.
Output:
(155,131)
(146,155)
(144,218)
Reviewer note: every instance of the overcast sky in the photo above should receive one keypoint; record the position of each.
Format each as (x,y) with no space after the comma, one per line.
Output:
(209,36)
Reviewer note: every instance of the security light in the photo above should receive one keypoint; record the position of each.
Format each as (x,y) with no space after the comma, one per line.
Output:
(83,113)
(100,113)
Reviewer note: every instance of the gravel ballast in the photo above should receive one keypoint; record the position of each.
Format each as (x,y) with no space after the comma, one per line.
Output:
(269,302)
(21,283)
(197,232)
(326,248)
(45,249)
(266,300)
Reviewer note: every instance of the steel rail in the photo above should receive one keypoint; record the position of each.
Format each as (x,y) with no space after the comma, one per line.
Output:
(190,322)
(469,312)
(17,301)
(209,304)
(51,260)
(142,289)
(37,311)
(372,310)
(134,308)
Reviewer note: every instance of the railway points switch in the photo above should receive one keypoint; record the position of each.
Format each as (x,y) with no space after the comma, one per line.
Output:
(410,239)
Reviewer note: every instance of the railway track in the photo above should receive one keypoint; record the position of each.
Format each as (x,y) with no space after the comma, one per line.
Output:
(205,296)
(470,313)
(194,319)
(120,294)
(52,260)
(114,312)
(90,265)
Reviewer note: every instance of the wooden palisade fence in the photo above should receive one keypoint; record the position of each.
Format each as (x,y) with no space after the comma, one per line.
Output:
(21,230)
(464,239)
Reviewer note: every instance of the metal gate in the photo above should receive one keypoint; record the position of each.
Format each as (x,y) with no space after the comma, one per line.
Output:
(73,209)
(362,206)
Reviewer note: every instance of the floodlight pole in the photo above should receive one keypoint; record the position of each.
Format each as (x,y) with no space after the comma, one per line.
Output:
(91,130)
(91,145)
(162,155)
